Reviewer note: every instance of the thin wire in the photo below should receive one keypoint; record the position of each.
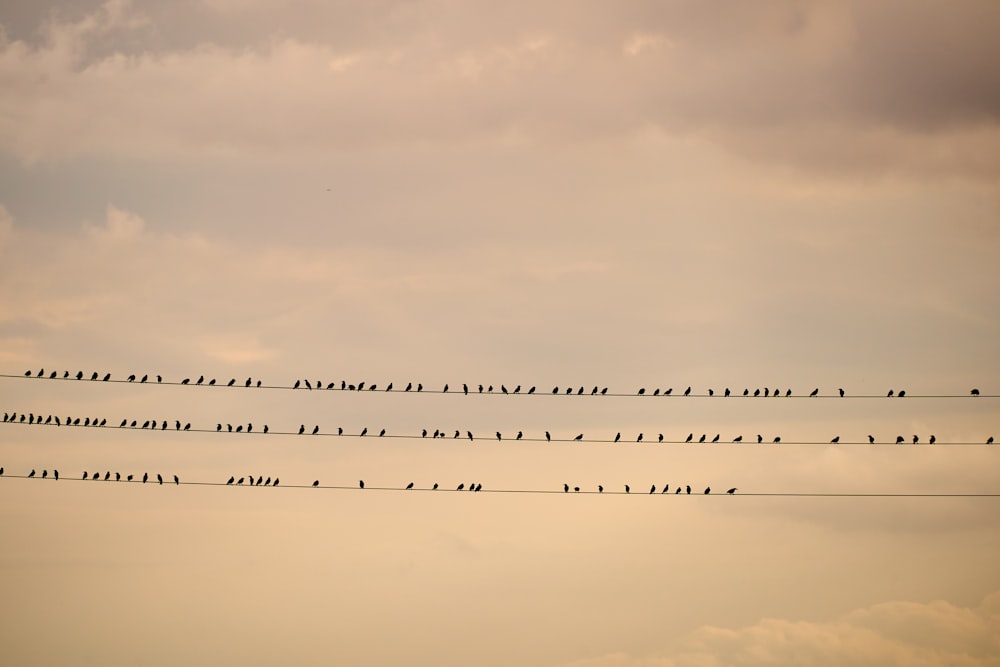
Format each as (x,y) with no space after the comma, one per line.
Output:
(609,492)
(459,392)
(508,440)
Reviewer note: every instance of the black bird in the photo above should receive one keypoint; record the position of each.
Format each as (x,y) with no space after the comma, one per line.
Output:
(129,478)
(409,386)
(738,438)
(690,437)
(240,482)
(218,427)
(79,375)
(727,392)
(389,387)
(364,431)
(382,432)
(247,382)
(107,475)
(687,392)
(716,438)
(302,429)
(201,378)
(708,490)
(145,477)
(618,437)
(814,392)
(519,434)
(642,391)
(899,439)
(569,390)
(231,480)
(555,390)
(656,392)
(548,437)
(124,422)
(187,427)
(267,482)
(702,438)
(787,393)
(176,481)
(186,381)
(316,483)
(131,378)
(517,389)
(159,478)
(465,388)
(531,391)
(668,391)
(85,475)
(32,473)
(627,489)
(576,489)
(933,439)
(316,430)
(901,394)
(915,439)
(55,473)
(297,384)
(760,438)
(989,440)
(600,489)
(871,439)
(777,439)
(479,487)
(435,487)
(423,433)
(231,382)
(652,489)
(480,389)
(766,390)
(565,488)
(159,378)
(756,392)
(503,388)
(498,436)
(666,487)
(309,385)
(65,374)
(746,392)
(889,395)
(579,437)
(275,482)
(94,376)
(711,393)
(639,439)
(660,438)
(835,440)
(974,392)
(420,387)
(841,390)
(460,487)
(409,486)
(731,491)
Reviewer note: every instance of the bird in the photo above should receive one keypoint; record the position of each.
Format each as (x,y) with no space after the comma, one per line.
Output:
(555,390)
(302,429)
(702,438)
(835,440)
(548,437)
(187,427)
(666,487)
(519,435)
(690,437)
(738,438)
(503,388)
(933,439)
(989,440)
(565,488)
(129,478)
(871,439)
(32,473)
(364,431)
(107,475)
(731,491)
(131,378)
(460,487)
(604,391)
(901,394)
(642,391)
(656,392)
(756,392)
(579,437)
(689,489)
(298,383)
(316,483)
(247,382)
(201,379)
(659,438)
(974,392)
(841,390)
(382,433)
(618,437)
(531,391)
(186,381)
(639,438)
(916,439)
(145,477)
(316,430)
(627,489)
(435,487)
(708,490)
(652,489)
(711,392)
(727,392)
(498,436)
(85,474)
(899,439)
(231,382)
(420,387)
(79,375)
(409,386)
(889,395)
(308,385)
(777,439)
(814,392)
(760,438)
(716,438)
(389,387)
(93,376)
(159,478)
(409,486)
(231,480)
(176,481)
(55,473)
(687,392)
(600,489)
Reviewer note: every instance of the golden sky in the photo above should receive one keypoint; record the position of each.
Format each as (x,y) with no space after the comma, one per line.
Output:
(634,194)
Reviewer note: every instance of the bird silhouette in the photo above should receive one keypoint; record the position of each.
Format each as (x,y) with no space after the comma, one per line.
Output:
(565,488)
(145,477)
(687,392)
(519,435)
(889,395)
(652,489)
(814,392)
(600,489)
(420,387)
(727,392)
(690,437)
(688,488)
(841,390)
(231,480)
(639,438)
(531,391)
(364,431)
(702,438)
(756,392)
(55,473)
(708,490)
(618,437)
(460,487)
(760,438)
(32,473)
(916,439)
(899,439)
(316,483)
(716,438)
(604,391)
(871,439)
(627,489)
(548,437)
(642,391)
(738,438)
(933,439)
(731,491)
(129,478)
(835,440)
(498,436)
(974,392)
(579,437)
(434,488)
(777,439)
(409,486)
(176,481)
(85,474)
(159,478)
(989,440)
(555,390)
(659,438)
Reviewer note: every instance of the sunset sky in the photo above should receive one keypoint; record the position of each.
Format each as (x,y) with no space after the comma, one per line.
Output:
(778,194)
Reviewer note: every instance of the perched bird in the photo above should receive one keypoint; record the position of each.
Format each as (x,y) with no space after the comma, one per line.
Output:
(659,438)
(94,376)
(688,488)
(435,487)
(871,439)
(298,383)
(814,392)
(382,433)
(738,438)
(409,386)
(731,491)
(420,387)
(760,438)
(409,486)
(465,388)
(579,437)
(889,395)
(519,435)
(716,438)
(85,474)
(727,392)
(901,394)
(186,381)
(639,438)
(604,391)
(618,437)
(531,391)
(32,473)
(231,382)
(145,477)
(201,378)
(231,480)
(361,483)
(989,440)
(555,390)
(711,392)
(916,439)
(687,392)
(690,437)
(55,473)
(159,478)
(652,489)
(176,481)
(309,385)
(498,436)
(302,429)
(131,378)
(777,439)
(107,475)
(129,478)
(899,439)
(316,430)
(841,390)
(835,440)
(702,438)
(974,392)
(933,439)
(460,487)
(642,391)
(240,482)
(756,392)
(708,490)
(316,483)
(600,489)
(627,489)
(548,437)
(275,482)
(666,487)
(565,488)
(364,431)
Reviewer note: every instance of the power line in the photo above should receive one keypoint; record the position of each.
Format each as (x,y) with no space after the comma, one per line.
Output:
(464,437)
(560,491)
(566,392)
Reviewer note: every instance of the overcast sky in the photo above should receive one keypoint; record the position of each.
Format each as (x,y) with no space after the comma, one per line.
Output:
(778,194)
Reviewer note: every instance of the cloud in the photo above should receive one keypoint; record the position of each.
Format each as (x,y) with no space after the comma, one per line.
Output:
(830,86)
(893,633)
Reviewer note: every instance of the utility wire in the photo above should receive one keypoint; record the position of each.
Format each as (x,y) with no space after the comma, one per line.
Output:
(463,436)
(458,391)
(606,492)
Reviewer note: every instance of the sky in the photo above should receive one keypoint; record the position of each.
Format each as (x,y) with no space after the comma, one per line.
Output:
(789,195)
